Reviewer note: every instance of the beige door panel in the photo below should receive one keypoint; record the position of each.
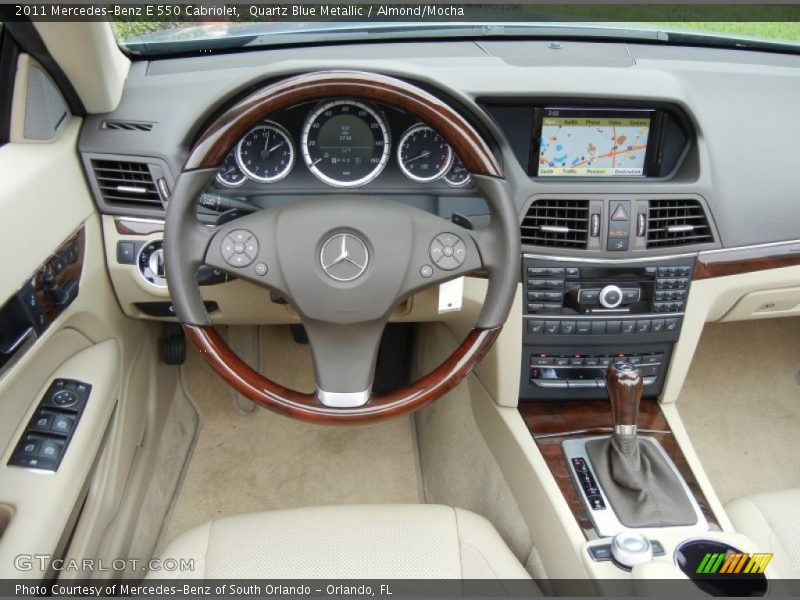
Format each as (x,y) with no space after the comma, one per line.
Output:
(44,200)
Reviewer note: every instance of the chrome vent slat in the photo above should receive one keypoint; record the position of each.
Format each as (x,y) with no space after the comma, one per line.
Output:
(556,223)
(113,181)
(677,222)
(123,125)
(126,182)
(559,219)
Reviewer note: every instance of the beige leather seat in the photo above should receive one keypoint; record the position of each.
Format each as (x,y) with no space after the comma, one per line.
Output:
(772,520)
(404,541)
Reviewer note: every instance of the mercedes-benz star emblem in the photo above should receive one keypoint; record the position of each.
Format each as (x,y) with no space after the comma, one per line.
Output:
(344,257)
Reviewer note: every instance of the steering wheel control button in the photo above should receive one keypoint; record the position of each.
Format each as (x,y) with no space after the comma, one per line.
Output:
(344,257)
(261,269)
(426,271)
(239,248)
(65,398)
(448,251)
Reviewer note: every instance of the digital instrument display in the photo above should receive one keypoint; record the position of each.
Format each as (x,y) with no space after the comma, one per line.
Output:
(345,143)
(592,142)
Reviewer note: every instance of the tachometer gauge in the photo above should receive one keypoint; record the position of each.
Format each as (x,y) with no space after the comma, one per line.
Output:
(229,173)
(266,153)
(345,143)
(458,176)
(423,154)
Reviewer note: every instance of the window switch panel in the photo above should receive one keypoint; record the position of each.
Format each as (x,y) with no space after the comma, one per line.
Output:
(50,430)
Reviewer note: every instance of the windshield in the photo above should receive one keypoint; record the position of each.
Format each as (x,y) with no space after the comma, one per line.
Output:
(261,26)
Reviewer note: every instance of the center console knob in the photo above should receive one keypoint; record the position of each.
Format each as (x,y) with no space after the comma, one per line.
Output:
(630,548)
(611,296)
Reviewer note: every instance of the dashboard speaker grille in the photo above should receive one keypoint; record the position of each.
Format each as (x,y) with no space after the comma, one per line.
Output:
(129,183)
(557,223)
(677,222)
(119,125)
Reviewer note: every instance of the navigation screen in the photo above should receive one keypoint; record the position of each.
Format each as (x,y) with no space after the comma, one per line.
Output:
(593,143)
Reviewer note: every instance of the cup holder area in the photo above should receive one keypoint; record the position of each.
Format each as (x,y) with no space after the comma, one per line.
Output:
(6,514)
(690,556)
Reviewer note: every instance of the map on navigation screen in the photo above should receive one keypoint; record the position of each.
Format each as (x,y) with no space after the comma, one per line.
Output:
(592,146)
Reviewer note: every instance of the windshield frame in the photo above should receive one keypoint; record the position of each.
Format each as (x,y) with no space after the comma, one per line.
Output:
(404,32)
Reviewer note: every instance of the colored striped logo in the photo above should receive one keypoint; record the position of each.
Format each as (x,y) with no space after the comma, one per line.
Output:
(733,563)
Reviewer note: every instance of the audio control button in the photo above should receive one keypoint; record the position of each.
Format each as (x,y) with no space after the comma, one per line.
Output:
(537,284)
(567,327)
(583,328)
(551,327)
(588,296)
(611,296)
(535,326)
(630,295)
(598,327)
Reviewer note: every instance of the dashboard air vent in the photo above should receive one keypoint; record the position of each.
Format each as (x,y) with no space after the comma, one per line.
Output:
(677,222)
(124,182)
(120,125)
(557,223)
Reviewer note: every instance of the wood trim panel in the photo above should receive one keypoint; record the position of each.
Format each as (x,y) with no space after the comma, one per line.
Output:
(551,423)
(746,260)
(66,271)
(291,403)
(137,227)
(218,139)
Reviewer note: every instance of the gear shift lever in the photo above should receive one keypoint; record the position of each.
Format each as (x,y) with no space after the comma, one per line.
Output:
(637,478)
(624,384)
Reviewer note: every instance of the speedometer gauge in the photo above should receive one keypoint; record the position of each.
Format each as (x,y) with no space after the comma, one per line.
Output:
(229,173)
(345,143)
(266,153)
(423,154)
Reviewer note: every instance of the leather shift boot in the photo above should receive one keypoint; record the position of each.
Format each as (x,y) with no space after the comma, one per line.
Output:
(640,485)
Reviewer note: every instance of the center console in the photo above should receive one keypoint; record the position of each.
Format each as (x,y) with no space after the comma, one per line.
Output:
(579,317)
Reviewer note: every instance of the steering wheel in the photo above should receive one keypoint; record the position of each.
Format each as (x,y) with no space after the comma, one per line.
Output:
(345,261)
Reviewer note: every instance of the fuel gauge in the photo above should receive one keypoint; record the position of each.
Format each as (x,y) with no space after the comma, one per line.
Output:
(458,176)
(229,173)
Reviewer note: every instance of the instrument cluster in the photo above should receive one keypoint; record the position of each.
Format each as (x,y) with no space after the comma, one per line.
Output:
(344,143)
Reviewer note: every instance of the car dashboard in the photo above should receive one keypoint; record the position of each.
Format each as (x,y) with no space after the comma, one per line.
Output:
(628,166)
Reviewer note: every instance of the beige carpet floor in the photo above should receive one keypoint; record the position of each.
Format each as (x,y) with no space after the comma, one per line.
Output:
(741,405)
(263,461)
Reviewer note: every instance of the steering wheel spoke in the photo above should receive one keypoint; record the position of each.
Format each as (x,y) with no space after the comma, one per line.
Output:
(344,361)
(245,248)
(441,251)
